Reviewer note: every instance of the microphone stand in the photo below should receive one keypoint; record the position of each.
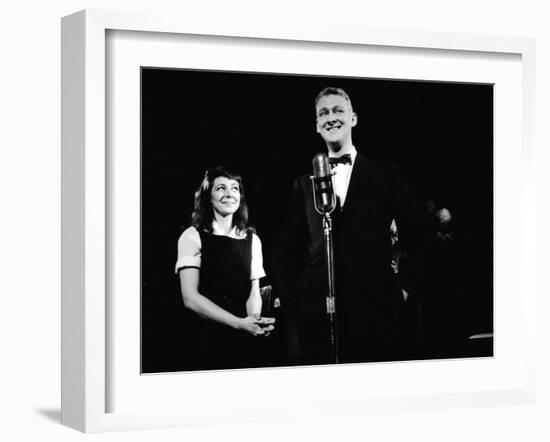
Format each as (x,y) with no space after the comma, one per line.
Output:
(329,255)
(331,300)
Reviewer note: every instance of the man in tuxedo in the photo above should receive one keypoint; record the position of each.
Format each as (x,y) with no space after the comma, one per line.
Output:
(370,195)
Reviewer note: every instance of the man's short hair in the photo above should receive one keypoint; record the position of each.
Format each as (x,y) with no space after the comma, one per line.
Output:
(332,91)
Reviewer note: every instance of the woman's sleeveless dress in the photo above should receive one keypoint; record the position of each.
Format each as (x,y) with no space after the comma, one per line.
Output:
(225,280)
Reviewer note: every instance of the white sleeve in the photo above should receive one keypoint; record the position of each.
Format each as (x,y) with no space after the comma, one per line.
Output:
(257,261)
(189,249)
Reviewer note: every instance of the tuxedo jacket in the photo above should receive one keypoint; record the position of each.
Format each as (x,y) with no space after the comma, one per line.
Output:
(366,291)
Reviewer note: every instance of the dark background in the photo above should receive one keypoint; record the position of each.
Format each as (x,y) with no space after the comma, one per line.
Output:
(440,135)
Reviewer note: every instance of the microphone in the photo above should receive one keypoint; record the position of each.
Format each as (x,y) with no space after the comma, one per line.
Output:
(323,192)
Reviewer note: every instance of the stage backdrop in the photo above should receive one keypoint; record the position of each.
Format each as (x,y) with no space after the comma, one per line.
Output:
(440,135)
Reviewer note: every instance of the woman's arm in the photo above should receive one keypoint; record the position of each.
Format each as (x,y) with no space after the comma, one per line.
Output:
(254,301)
(205,308)
(254,308)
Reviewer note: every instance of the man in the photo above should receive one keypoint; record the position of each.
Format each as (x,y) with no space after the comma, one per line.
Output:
(370,195)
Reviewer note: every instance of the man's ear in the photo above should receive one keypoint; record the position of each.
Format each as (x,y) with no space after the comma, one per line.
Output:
(317,127)
(354,120)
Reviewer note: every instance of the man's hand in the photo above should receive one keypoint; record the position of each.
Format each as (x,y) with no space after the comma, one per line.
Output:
(444,216)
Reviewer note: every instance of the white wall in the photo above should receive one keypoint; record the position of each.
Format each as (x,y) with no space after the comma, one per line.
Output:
(30,217)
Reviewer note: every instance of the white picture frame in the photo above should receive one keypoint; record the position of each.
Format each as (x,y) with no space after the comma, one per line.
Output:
(85,210)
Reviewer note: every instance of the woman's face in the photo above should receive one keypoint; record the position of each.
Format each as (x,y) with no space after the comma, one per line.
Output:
(225,196)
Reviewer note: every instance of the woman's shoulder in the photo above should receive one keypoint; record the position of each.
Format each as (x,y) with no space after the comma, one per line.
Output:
(255,238)
(247,232)
(189,249)
(191,234)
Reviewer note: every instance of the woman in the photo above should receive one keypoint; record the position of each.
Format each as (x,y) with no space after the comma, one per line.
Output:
(220,265)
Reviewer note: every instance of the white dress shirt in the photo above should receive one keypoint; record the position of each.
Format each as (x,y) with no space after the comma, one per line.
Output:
(341,176)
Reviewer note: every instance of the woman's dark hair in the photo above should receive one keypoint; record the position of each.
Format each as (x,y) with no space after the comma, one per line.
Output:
(203,212)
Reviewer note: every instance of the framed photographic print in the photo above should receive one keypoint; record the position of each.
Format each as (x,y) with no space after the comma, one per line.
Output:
(150,104)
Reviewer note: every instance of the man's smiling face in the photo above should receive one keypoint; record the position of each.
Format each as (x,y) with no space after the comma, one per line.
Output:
(335,119)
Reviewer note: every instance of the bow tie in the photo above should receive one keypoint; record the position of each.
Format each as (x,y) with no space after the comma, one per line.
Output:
(344,159)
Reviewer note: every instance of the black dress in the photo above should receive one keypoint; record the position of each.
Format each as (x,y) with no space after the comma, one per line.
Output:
(225,280)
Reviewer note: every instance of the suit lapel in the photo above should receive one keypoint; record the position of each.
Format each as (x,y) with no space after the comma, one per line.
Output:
(358,174)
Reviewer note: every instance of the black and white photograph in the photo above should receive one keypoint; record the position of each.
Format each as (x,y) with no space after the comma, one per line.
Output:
(290,220)
(299,220)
